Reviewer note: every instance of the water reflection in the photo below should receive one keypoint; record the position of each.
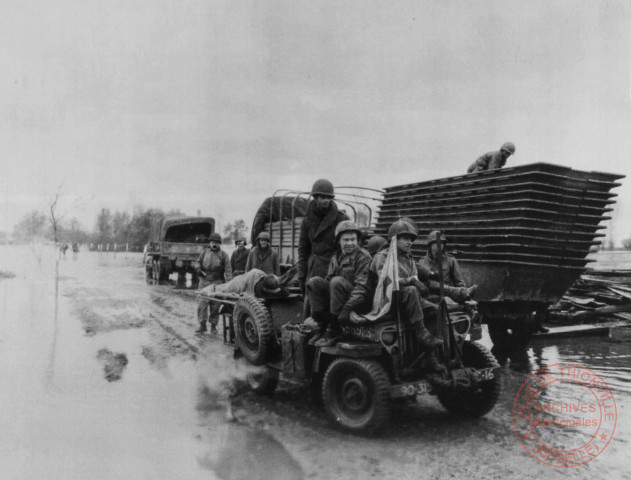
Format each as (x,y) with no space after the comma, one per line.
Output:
(237,451)
(607,357)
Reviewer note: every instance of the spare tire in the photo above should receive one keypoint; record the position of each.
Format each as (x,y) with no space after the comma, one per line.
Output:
(254,329)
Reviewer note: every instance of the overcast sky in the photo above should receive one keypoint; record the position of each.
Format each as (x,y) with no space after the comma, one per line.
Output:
(211,106)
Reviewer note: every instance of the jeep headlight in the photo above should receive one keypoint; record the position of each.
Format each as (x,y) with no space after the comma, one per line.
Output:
(388,336)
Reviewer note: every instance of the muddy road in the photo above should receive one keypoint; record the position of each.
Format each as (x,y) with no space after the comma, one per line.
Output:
(102,377)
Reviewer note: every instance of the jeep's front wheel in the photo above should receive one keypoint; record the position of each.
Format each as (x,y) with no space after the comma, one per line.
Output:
(356,395)
(479,399)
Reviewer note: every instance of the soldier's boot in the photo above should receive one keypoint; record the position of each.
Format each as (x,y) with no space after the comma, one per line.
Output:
(213,328)
(470,292)
(330,337)
(427,340)
(202,328)
(432,363)
(322,320)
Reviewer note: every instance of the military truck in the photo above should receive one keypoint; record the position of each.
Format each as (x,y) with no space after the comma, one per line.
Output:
(176,242)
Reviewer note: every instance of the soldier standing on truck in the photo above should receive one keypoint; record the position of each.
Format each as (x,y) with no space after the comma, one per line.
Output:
(343,290)
(410,286)
(212,267)
(429,269)
(317,244)
(263,256)
(493,160)
(239,258)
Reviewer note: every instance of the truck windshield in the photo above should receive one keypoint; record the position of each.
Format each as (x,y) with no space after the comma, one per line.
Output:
(188,233)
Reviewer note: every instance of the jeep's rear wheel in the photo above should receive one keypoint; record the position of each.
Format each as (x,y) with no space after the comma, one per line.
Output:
(263,380)
(254,329)
(479,399)
(356,395)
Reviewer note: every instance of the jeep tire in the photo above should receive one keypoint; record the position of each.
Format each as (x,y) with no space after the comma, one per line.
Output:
(356,395)
(254,329)
(480,399)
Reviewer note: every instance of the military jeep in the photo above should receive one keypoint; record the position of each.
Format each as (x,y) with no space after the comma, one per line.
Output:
(377,363)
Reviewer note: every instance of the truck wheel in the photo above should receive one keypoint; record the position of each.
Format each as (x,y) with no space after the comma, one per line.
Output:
(159,273)
(263,380)
(480,399)
(356,395)
(156,271)
(254,329)
(148,274)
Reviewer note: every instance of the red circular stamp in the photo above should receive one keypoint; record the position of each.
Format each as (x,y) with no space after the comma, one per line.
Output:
(564,415)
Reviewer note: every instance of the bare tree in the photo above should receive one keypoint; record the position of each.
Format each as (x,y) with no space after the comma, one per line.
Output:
(58,211)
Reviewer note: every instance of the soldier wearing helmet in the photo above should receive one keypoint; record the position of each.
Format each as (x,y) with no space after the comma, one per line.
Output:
(493,160)
(404,232)
(239,258)
(344,289)
(429,269)
(263,256)
(212,267)
(375,243)
(317,244)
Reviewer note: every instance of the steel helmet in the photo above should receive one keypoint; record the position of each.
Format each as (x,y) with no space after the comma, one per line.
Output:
(323,187)
(263,236)
(508,147)
(433,237)
(346,226)
(240,239)
(402,227)
(375,243)
(214,237)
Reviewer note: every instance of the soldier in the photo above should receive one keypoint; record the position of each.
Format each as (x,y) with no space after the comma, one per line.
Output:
(317,233)
(428,267)
(344,289)
(239,257)
(410,286)
(493,160)
(212,267)
(263,256)
(375,244)
(256,283)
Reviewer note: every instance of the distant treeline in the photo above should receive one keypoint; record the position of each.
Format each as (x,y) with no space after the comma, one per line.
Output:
(119,228)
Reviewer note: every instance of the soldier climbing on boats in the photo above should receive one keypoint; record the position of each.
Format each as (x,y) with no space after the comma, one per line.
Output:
(493,160)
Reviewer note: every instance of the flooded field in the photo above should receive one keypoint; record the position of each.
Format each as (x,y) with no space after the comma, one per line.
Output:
(103,378)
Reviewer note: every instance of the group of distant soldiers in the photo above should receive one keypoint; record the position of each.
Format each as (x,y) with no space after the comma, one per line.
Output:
(338,271)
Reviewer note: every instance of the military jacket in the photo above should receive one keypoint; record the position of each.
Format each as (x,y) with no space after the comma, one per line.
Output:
(317,244)
(355,269)
(238,261)
(266,260)
(488,161)
(451,272)
(216,265)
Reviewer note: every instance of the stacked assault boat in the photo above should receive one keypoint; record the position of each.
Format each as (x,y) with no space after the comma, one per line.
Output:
(522,234)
